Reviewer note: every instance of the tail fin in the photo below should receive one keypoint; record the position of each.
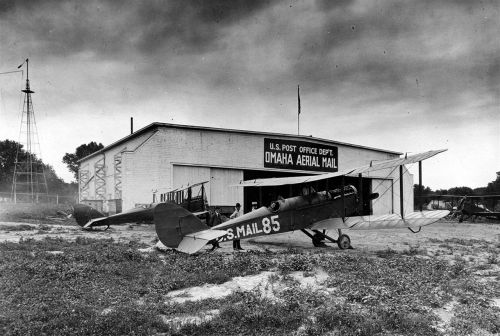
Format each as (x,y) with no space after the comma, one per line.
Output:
(173,223)
(84,213)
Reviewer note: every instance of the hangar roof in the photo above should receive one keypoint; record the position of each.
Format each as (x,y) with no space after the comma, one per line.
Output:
(157,125)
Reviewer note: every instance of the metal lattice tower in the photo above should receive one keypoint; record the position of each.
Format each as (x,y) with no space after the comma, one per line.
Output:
(29,182)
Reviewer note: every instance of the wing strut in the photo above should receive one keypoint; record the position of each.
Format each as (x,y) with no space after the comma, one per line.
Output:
(360,194)
(420,185)
(401,198)
(343,197)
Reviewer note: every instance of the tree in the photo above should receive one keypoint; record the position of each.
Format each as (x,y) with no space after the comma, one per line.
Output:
(71,159)
(442,192)
(494,187)
(462,191)
(422,190)
(8,151)
(56,185)
(421,194)
(479,191)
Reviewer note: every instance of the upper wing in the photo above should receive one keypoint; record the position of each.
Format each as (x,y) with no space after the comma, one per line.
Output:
(374,166)
(390,221)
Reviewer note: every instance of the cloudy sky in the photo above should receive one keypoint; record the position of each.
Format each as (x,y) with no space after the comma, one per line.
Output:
(407,76)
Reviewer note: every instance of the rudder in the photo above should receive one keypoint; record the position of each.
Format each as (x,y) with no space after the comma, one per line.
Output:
(84,213)
(173,222)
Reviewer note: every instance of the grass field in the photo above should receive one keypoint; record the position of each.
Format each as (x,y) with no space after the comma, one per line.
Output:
(103,287)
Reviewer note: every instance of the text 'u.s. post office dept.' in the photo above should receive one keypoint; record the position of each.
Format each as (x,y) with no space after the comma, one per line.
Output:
(300,155)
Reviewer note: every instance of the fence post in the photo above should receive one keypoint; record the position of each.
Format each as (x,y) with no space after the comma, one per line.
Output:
(57,199)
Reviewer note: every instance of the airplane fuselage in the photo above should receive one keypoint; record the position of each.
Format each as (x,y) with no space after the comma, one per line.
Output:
(295,213)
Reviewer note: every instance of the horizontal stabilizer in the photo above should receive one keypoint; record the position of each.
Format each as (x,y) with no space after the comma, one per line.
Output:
(391,221)
(95,222)
(208,234)
(194,242)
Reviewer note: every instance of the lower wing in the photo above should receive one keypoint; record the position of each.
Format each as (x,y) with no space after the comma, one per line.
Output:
(392,221)
(487,213)
(130,216)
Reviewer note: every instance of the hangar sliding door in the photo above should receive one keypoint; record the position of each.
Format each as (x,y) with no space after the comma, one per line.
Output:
(220,191)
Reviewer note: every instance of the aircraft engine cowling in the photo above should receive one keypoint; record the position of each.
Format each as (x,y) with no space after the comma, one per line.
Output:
(276,206)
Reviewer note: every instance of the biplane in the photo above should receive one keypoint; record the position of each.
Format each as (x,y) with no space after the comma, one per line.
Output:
(466,207)
(474,206)
(193,198)
(313,212)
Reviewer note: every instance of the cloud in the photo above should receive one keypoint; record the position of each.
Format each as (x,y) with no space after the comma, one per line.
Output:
(400,50)
(111,27)
(392,46)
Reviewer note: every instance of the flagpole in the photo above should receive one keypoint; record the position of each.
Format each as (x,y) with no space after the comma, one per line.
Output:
(298,112)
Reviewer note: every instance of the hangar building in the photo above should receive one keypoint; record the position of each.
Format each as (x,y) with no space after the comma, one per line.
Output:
(141,167)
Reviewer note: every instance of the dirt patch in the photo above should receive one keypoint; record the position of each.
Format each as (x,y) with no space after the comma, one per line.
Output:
(244,284)
(445,315)
(176,322)
(266,283)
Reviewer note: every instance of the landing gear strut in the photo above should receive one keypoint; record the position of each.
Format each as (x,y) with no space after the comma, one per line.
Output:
(343,241)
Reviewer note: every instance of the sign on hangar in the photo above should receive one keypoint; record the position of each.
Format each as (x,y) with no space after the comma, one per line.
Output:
(300,155)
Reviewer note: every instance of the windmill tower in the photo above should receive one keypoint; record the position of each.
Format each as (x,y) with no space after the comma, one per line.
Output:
(29,182)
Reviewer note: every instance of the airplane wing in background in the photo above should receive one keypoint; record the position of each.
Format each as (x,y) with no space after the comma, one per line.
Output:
(390,221)
(134,215)
(487,213)
(374,166)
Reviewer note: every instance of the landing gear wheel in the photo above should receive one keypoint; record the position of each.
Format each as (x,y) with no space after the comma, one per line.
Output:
(318,240)
(344,242)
